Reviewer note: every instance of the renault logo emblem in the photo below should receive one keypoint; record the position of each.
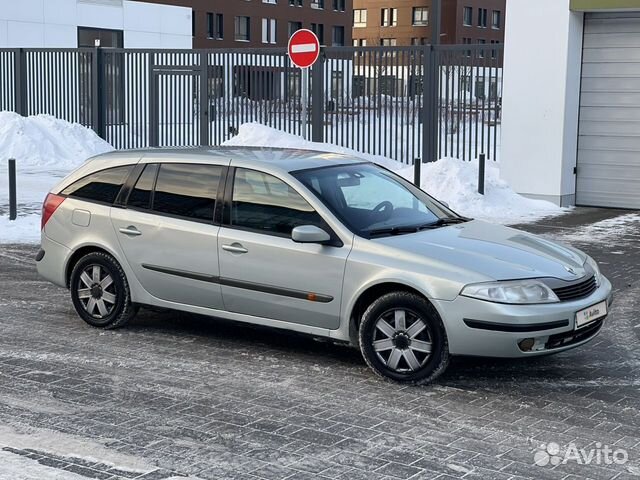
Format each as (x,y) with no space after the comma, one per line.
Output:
(570,270)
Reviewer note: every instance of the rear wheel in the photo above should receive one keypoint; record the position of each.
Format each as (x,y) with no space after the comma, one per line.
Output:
(402,338)
(100,291)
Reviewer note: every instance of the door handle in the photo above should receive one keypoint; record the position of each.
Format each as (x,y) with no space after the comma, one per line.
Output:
(235,248)
(131,230)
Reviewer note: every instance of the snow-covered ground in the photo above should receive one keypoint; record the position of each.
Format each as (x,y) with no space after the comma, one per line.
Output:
(47,149)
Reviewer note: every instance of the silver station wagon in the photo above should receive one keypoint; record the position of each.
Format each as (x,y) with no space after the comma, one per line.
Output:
(313,242)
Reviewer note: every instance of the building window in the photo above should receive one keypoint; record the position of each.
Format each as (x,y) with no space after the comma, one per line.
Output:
(480,86)
(415,41)
(318,29)
(317,4)
(337,84)
(360,17)
(388,42)
(496,19)
(272,2)
(494,51)
(268,30)
(359,42)
(338,36)
(482,17)
(389,17)
(467,41)
(420,16)
(242,29)
(467,16)
(215,26)
(295,3)
(481,41)
(294,27)
(338,5)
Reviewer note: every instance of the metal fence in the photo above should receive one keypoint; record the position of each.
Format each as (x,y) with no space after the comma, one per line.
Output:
(399,102)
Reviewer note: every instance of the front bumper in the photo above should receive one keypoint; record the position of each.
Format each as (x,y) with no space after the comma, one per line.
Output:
(480,328)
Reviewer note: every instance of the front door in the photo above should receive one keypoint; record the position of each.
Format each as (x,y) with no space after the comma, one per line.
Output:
(266,274)
(167,232)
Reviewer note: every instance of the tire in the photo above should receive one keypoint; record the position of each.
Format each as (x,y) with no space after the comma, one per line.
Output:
(414,350)
(105,303)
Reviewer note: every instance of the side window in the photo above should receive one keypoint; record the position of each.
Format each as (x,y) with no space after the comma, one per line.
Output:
(187,190)
(264,203)
(140,196)
(102,186)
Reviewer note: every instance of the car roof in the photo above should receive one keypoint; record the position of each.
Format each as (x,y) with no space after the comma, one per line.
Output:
(269,158)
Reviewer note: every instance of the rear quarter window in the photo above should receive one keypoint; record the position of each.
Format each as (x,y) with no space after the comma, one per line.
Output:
(102,186)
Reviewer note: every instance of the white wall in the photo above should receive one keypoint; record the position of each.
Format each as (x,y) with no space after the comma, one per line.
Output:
(53,23)
(541,92)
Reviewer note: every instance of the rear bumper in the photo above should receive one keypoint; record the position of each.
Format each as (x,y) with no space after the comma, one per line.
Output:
(52,260)
(486,329)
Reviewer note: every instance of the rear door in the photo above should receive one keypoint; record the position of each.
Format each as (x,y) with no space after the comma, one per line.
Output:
(263,272)
(168,235)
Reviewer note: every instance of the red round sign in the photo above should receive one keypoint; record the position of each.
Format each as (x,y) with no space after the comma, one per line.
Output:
(304,48)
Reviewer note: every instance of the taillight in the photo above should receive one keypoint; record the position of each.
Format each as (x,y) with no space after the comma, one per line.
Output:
(51,203)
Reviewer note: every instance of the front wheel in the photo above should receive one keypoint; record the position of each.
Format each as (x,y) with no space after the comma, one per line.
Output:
(100,291)
(402,338)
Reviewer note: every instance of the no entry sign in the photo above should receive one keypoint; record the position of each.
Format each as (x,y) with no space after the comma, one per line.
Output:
(304,48)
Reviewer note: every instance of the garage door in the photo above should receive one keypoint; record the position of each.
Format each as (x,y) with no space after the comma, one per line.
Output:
(609,136)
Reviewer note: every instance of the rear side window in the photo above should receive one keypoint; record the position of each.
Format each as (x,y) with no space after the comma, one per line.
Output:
(102,186)
(140,196)
(187,190)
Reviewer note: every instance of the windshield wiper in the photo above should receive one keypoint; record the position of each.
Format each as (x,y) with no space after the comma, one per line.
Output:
(393,230)
(441,222)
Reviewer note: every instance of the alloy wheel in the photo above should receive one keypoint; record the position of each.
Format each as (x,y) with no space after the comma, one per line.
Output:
(402,340)
(96,291)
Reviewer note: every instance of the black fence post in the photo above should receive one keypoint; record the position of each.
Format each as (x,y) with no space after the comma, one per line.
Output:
(429,105)
(317,99)
(416,172)
(154,121)
(13,205)
(481,166)
(204,99)
(98,99)
(20,81)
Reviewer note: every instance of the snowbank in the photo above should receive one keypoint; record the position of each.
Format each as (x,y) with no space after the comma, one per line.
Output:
(43,141)
(449,179)
(45,149)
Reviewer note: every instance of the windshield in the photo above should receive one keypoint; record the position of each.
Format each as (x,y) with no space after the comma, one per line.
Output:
(373,202)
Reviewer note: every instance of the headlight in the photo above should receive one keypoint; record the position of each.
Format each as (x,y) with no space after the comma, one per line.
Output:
(515,291)
(596,269)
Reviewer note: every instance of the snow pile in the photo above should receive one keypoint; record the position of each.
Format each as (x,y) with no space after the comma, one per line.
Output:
(449,179)
(43,141)
(46,149)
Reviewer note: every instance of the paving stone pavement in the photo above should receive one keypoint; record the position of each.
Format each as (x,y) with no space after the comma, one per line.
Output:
(177,395)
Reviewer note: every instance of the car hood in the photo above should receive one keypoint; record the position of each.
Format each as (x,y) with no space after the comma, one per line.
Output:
(495,251)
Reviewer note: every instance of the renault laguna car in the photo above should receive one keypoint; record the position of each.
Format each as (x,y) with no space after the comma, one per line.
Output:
(313,242)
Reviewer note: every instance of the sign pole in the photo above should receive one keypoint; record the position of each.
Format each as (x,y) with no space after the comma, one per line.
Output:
(305,103)
(304,50)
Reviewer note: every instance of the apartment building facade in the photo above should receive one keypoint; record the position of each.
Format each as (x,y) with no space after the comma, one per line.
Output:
(409,22)
(265,23)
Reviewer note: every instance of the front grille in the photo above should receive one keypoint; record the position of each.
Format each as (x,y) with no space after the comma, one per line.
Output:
(577,290)
(574,336)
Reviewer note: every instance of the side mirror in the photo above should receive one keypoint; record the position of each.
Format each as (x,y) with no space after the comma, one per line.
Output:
(309,234)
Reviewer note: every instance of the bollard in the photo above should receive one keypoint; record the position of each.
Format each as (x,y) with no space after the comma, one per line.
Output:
(481,174)
(13,207)
(416,171)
